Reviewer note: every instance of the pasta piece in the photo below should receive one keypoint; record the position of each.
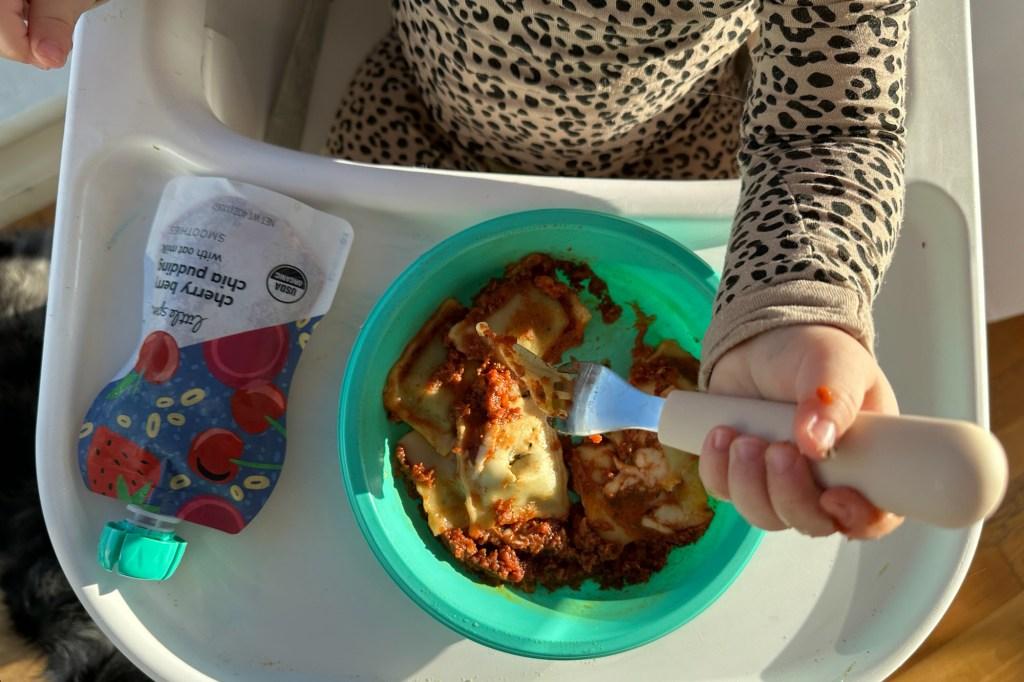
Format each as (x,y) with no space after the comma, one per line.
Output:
(548,388)
(633,489)
(436,480)
(510,460)
(530,304)
(423,385)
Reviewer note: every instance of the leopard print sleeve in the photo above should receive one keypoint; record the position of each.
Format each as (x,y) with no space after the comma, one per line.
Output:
(822,162)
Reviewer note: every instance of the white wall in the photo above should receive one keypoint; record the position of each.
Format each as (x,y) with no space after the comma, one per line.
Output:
(997,30)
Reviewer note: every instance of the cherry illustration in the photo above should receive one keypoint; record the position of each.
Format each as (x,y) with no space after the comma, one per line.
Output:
(158,358)
(157,362)
(213,512)
(215,455)
(258,407)
(242,359)
(211,453)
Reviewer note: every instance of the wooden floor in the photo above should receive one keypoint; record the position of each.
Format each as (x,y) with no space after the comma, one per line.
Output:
(982,636)
(18,660)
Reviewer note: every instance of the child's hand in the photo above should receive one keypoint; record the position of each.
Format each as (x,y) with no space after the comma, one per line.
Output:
(771,484)
(39,32)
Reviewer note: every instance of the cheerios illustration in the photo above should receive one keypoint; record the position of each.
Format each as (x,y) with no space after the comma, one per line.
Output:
(164,401)
(85,430)
(236,493)
(256,482)
(152,424)
(192,396)
(303,339)
(124,421)
(180,481)
(302,323)
(176,419)
(315,325)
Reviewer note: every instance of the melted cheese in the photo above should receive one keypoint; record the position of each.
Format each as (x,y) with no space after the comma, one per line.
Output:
(591,465)
(512,468)
(625,502)
(634,488)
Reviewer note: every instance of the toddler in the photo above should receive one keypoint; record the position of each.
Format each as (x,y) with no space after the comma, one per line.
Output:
(802,99)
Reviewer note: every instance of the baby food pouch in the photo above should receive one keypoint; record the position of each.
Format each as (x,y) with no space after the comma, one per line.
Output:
(194,426)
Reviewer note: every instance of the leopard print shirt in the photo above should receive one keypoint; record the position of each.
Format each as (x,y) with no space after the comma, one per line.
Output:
(811,118)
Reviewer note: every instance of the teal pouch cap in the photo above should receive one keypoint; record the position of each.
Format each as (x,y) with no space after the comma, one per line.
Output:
(143,547)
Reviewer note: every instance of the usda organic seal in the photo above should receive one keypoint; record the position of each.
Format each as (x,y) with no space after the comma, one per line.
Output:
(286,283)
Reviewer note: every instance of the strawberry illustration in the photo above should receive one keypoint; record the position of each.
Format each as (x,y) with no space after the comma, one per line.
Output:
(119,468)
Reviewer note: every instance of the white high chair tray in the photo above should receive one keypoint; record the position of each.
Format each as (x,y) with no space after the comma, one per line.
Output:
(298,595)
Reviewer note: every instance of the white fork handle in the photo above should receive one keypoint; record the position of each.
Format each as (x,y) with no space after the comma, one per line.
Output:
(944,472)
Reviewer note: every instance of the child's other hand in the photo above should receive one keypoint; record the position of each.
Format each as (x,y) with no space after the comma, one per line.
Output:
(771,483)
(39,32)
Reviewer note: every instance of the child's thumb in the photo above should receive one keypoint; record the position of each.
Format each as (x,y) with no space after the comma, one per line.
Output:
(50,25)
(830,392)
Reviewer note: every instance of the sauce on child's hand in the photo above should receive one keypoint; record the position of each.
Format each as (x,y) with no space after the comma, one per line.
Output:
(824,394)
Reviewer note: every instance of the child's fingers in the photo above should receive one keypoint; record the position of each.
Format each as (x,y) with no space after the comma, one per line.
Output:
(793,491)
(51,24)
(830,393)
(714,461)
(13,32)
(748,487)
(856,517)
(882,525)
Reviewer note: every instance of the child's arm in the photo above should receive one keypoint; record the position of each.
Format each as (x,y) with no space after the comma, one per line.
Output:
(45,40)
(822,161)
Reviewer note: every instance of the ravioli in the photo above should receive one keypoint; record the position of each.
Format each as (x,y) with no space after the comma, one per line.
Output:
(436,479)
(509,459)
(509,467)
(530,304)
(424,384)
(634,488)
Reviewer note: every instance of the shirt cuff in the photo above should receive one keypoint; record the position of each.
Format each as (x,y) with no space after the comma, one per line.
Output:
(795,302)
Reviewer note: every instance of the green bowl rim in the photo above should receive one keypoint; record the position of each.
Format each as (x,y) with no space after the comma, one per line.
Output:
(381,548)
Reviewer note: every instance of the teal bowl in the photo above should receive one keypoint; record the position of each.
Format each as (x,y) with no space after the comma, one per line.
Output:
(639,264)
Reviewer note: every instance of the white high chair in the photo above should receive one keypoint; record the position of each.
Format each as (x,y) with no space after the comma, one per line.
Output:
(164,88)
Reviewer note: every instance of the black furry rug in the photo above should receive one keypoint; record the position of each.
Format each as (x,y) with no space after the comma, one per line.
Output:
(42,606)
